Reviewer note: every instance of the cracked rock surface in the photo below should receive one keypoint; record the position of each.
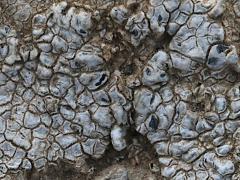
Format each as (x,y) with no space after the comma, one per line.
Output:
(106,85)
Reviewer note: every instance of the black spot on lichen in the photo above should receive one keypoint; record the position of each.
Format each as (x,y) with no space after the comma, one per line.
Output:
(162,75)
(221,48)
(82,31)
(134,33)
(105,100)
(160,18)
(102,78)
(153,123)
(152,99)
(212,61)
(148,72)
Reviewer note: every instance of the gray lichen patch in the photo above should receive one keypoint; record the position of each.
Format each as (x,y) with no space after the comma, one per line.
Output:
(76,78)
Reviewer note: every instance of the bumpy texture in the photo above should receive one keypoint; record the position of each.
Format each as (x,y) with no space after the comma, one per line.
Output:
(75,76)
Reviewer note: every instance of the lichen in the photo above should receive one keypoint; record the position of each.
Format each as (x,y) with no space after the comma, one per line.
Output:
(76,77)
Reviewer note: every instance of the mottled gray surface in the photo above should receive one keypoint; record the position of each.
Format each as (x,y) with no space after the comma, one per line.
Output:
(77,76)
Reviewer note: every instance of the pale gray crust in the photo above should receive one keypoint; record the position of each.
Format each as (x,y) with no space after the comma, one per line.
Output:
(77,77)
